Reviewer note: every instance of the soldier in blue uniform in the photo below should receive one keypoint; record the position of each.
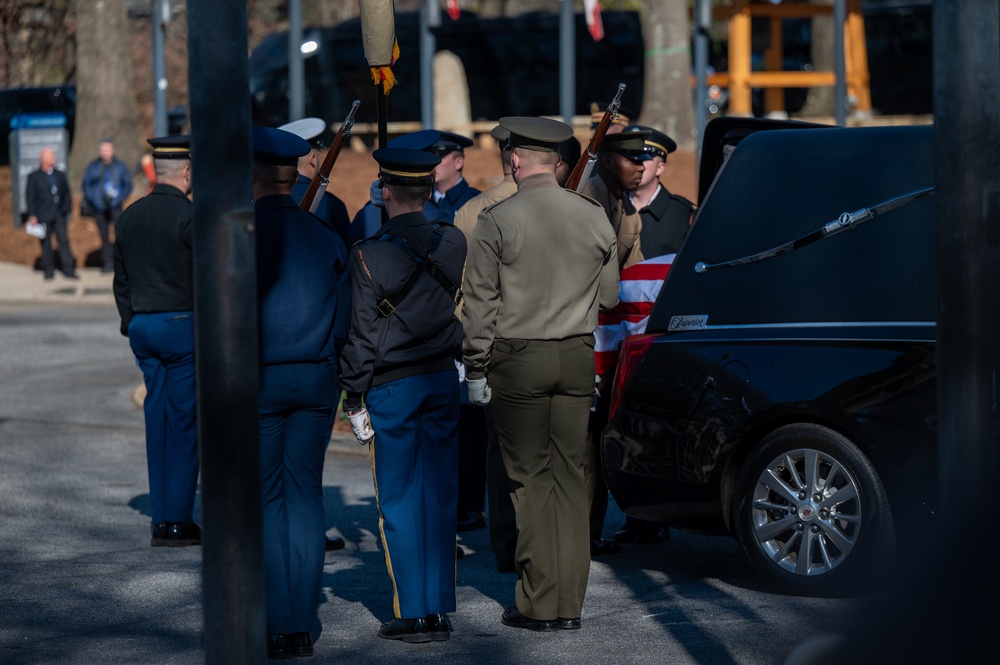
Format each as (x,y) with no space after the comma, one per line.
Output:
(154,291)
(399,366)
(451,191)
(666,217)
(331,209)
(303,304)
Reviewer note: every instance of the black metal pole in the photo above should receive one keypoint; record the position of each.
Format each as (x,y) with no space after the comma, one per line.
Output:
(226,333)
(967,218)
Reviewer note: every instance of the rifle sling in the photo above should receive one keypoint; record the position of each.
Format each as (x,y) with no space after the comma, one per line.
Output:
(421,262)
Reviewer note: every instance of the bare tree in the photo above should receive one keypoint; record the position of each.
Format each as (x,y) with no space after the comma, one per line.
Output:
(36,45)
(105,103)
(819,101)
(667,97)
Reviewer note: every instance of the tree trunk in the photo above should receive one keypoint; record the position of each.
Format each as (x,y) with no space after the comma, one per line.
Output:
(105,102)
(819,101)
(667,102)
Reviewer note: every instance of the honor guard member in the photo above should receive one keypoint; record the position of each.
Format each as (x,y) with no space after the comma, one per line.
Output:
(540,265)
(666,217)
(399,367)
(303,298)
(331,209)
(450,191)
(480,466)
(154,291)
(620,164)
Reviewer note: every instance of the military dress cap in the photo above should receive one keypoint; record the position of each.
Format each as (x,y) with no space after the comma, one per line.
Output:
(177,146)
(541,134)
(278,147)
(569,151)
(658,144)
(405,166)
(502,135)
(431,140)
(308,128)
(597,110)
(630,144)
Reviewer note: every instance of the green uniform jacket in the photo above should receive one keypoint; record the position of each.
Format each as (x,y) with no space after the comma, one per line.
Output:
(540,264)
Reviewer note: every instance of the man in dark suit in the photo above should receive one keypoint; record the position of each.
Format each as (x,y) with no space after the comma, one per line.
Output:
(48,198)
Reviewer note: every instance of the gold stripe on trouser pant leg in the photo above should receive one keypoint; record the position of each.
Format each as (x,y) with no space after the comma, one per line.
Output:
(381,531)
(541,404)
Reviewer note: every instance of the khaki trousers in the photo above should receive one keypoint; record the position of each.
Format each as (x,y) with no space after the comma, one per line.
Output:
(541,404)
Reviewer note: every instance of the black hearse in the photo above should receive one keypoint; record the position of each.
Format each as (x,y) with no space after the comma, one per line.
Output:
(784,390)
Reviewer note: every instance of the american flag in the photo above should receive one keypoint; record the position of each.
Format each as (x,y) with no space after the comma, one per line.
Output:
(592,14)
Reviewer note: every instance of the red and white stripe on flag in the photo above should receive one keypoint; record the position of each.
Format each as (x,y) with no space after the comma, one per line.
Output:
(592,14)
(453,10)
(638,287)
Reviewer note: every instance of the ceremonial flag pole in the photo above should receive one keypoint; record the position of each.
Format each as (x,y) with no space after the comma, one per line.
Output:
(378,33)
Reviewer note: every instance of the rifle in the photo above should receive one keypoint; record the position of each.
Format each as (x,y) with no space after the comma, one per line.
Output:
(585,165)
(313,195)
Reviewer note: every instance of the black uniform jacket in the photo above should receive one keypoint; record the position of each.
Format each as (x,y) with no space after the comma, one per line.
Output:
(423,334)
(43,203)
(665,223)
(153,259)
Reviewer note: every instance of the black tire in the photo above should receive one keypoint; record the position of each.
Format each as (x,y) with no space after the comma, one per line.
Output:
(819,533)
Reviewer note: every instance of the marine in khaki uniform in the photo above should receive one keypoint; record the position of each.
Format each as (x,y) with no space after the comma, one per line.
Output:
(620,165)
(540,265)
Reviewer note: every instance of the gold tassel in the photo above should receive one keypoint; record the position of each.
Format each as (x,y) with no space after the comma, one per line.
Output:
(384,75)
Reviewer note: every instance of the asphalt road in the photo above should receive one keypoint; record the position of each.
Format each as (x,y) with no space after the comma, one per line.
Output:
(79,582)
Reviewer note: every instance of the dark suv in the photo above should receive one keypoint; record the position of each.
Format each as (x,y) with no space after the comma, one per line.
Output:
(784,390)
(15,101)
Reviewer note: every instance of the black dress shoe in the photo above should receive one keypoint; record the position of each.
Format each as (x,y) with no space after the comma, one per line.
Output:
(437,626)
(641,532)
(601,546)
(407,630)
(569,624)
(49,276)
(176,534)
(511,617)
(71,275)
(335,543)
(470,521)
(302,644)
(279,646)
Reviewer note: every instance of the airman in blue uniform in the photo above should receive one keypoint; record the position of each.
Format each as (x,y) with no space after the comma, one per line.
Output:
(451,191)
(303,304)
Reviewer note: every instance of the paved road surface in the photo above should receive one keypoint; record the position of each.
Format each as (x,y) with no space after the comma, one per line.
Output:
(80,584)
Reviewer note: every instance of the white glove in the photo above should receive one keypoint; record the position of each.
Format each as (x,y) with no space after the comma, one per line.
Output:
(479,391)
(375,194)
(362,426)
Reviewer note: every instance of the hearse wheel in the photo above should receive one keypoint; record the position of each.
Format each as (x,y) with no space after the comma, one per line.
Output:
(811,513)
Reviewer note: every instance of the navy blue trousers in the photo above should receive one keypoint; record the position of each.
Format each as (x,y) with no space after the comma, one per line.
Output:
(415,467)
(297,408)
(163,345)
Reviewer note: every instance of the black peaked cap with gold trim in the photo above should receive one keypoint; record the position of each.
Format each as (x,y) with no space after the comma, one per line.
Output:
(176,146)
(658,144)
(405,166)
